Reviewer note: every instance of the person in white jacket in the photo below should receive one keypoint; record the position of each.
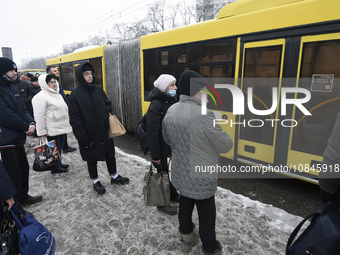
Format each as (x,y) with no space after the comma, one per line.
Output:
(51,115)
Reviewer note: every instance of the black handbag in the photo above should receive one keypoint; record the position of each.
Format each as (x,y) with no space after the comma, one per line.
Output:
(8,234)
(321,237)
(142,135)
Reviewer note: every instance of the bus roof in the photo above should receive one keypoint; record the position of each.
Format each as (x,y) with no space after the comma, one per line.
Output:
(248,17)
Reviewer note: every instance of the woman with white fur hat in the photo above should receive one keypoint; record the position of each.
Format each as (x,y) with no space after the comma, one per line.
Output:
(161,97)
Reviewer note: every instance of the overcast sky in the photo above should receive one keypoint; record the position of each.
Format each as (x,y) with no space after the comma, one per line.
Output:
(39,28)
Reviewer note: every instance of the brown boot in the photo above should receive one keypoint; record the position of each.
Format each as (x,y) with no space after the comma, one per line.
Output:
(32,200)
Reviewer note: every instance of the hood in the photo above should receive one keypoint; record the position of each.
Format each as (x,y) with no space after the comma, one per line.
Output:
(80,77)
(43,85)
(156,94)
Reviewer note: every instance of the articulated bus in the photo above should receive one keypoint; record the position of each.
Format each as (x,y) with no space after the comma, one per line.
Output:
(298,40)
(31,72)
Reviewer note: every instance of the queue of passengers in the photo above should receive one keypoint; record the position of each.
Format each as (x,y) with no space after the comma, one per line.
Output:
(175,128)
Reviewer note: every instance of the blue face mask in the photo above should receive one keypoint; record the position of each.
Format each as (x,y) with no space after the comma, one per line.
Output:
(172,92)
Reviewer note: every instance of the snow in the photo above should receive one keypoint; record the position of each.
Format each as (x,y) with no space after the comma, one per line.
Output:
(118,222)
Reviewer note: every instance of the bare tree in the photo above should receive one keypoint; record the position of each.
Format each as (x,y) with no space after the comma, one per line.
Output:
(97,40)
(156,15)
(138,29)
(187,13)
(205,10)
(69,48)
(36,63)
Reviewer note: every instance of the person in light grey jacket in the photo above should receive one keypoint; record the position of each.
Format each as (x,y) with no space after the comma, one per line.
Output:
(195,143)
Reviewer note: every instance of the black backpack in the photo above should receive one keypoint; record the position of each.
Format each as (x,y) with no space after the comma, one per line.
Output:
(321,237)
(141,135)
(141,132)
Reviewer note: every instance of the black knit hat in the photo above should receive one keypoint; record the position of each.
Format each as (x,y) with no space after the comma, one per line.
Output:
(33,79)
(184,83)
(87,67)
(6,65)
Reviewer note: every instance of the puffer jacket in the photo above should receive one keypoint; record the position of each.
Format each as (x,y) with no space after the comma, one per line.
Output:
(160,103)
(50,111)
(14,118)
(194,142)
(89,110)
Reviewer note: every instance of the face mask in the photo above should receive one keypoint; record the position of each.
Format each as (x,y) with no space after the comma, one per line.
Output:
(172,92)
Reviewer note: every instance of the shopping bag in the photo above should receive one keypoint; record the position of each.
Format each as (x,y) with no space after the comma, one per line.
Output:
(115,128)
(34,237)
(157,188)
(46,155)
(322,236)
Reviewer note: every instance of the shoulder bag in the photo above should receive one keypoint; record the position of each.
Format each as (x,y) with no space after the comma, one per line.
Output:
(157,188)
(34,238)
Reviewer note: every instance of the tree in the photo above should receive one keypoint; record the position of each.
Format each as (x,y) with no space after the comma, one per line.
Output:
(207,9)
(36,63)
(156,15)
(69,48)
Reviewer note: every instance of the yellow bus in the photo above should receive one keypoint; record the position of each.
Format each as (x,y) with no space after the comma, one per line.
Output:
(31,72)
(278,39)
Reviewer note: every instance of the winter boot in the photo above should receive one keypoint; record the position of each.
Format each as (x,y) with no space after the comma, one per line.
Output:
(217,251)
(189,240)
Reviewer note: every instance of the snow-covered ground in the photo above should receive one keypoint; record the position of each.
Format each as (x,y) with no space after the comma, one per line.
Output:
(118,222)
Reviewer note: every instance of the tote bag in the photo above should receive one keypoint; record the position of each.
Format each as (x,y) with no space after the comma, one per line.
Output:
(157,188)
(46,155)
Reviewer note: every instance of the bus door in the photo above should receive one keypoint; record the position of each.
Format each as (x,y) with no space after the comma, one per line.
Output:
(318,72)
(261,70)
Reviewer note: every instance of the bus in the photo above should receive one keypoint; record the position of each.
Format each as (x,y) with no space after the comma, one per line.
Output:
(291,43)
(31,72)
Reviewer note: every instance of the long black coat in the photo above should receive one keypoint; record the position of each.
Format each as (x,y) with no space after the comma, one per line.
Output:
(160,103)
(89,110)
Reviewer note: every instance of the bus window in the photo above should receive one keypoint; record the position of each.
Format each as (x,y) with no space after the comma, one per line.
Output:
(312,132)
(261,62)
(97,65)
(212,52)
(149,69)
(66,76)
(173,56)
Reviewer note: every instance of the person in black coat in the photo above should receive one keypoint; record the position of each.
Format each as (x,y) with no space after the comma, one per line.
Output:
(89,110)
(26,93)
(35,85)
(15,124)
(161,97)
